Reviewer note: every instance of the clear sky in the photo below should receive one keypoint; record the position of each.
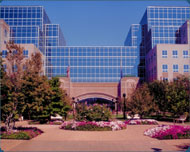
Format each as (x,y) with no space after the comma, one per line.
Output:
(93,23)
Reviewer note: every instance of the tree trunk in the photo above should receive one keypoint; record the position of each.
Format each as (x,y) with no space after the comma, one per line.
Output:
(8,122)
(29,115)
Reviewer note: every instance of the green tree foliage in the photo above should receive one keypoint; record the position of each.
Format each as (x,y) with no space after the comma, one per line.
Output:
(172,96)
(141,102)
(43,97)
(37,91)
(12,84)
(25,91)
(178,96)
(60,103)
(158,90)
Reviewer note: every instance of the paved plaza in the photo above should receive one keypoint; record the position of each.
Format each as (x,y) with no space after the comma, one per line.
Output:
(131,139)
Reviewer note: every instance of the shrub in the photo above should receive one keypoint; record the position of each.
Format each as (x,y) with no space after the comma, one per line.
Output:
(93,113)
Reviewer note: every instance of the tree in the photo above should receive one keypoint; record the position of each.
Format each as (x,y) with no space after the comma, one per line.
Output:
(159,89)
(36,90)
(12,82)
(172,96)
(43,97)
(178,96)
(37,97)
(60,102)
(141,102)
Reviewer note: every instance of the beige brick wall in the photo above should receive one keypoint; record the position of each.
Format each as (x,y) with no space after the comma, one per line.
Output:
(158,61)
(105,90)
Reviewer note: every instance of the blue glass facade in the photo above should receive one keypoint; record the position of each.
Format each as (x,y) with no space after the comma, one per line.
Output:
(92,64)
(133,36)
(28,24)
(160,25)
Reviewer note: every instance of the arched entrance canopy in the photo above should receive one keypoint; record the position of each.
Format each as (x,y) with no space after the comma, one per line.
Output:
(95,95)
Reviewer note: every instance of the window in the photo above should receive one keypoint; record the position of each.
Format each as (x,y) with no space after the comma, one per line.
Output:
(14,52)
(5,67)
(4,53)
(24,67)
(164,54)
(175,54)
(164,68)
(5,33)
(175,68)
(25,53)
(14,68)
(185,54)
(165,79)
(186,68)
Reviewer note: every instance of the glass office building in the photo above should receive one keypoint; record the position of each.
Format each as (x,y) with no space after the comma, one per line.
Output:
(133,36)
(92,64)
(160,25)
(134,39)
(30,24)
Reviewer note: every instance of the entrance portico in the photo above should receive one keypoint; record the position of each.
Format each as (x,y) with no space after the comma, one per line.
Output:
(106,90)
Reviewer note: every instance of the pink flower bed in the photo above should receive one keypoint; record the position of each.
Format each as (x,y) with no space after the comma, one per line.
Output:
(142,122)
(169,132)
(83,125)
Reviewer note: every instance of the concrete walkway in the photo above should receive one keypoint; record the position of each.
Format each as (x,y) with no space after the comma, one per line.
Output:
(131,139)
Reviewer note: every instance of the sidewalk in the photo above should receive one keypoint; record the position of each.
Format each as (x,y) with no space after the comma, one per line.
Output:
(131,139)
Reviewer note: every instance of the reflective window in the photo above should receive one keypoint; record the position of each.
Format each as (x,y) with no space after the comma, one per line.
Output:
(5,67)
(175,54)
(4,53)
(185,53)
(186,68)
(14,68)
(164,68)
(25,53)
(175,68)
(164,54)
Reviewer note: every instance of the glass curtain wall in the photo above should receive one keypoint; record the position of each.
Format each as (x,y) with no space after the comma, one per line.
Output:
(92,64)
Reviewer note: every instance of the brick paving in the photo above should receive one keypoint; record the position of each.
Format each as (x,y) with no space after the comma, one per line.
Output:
(131,139)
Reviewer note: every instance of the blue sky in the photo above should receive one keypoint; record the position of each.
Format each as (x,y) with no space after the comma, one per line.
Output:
(95,23)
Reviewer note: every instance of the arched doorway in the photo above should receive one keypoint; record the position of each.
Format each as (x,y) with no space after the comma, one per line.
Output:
(96,98)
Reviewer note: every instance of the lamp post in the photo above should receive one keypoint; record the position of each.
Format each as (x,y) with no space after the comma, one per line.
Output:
(124,107)
(116,106)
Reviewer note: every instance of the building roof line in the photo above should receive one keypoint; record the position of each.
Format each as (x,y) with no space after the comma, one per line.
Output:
(168,6)
(94,46)
(21,6)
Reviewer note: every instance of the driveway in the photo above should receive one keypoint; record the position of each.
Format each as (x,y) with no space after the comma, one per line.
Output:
(131,139)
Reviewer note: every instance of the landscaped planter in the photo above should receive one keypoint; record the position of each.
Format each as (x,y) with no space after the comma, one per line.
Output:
(142,122)
(23,133)
(93,126)
(169,132)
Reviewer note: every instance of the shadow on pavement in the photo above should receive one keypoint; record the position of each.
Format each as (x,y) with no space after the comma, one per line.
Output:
(157,149)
